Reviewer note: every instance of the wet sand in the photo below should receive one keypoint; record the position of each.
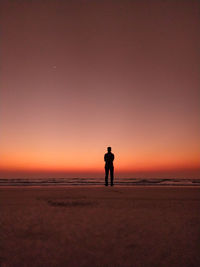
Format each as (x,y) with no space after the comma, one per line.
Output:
(97,226)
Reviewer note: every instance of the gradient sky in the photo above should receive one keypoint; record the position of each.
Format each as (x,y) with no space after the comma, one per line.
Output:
(78,76)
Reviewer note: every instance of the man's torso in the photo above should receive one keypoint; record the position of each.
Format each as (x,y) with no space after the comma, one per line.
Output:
(109,157)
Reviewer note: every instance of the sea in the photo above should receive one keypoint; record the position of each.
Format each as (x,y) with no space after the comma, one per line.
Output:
(99,182)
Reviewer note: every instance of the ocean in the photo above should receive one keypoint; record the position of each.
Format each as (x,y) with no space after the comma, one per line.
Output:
(99,182)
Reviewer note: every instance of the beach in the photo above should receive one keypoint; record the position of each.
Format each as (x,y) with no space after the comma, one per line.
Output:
(136,226)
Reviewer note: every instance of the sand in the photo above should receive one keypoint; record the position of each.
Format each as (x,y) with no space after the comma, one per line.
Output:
(97,226)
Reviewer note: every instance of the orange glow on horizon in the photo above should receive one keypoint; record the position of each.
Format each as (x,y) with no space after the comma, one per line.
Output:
(139,165)
(89,159)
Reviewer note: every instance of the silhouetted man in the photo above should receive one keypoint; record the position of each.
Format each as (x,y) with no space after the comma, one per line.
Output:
(108,158)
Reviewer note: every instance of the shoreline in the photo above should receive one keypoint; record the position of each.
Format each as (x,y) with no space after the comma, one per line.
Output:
(94,182)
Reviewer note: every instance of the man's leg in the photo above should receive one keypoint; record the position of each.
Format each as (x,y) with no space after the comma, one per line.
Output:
(112,175)
(106,176)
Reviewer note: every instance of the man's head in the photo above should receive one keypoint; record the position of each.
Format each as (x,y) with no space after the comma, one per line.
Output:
(109,149)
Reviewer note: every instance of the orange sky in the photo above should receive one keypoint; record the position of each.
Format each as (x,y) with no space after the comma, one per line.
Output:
(79,76)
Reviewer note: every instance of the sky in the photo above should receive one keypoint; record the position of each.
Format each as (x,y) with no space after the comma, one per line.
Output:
(78,76)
